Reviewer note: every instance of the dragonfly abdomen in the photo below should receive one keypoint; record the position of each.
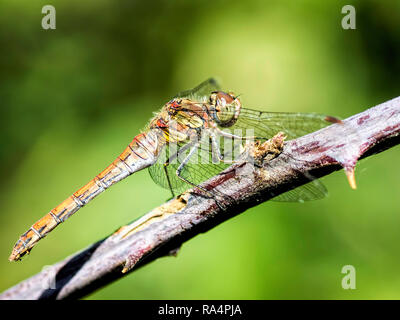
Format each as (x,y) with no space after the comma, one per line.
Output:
(141,153)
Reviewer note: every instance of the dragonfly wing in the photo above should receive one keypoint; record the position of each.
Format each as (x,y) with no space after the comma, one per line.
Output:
(267,124)
(264,125)
(201,92)
(313,190)
(199,168)
(159,171)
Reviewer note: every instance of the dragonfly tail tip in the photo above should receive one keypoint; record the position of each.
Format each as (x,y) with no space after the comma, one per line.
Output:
(13,257)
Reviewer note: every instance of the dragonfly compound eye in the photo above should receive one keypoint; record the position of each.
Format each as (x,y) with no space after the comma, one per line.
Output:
(224,98)
(226,108)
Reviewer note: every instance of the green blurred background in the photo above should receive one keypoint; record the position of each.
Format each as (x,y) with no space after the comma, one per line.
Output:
(72,98)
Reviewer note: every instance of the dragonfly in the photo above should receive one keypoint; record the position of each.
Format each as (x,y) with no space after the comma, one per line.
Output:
(199,124)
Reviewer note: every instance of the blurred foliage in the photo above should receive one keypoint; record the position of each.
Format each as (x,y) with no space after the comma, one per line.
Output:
(72,98)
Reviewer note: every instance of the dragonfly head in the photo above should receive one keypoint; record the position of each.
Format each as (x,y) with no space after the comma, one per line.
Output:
(224,107)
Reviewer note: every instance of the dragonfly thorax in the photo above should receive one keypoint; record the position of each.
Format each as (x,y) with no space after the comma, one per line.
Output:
(180,119)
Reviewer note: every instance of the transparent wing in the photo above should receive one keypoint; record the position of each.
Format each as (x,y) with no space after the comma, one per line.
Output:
(200,167)
(263,125)
(313,190)
(267,124)
(202,92)
(203,165)
(159,174)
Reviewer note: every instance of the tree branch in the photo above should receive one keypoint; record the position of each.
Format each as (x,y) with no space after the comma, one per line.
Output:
(244,185)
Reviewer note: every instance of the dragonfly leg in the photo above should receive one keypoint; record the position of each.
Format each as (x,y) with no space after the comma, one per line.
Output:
(211,194)
(234,136)
(168,180)
(182,166)
(217,150)
(166,164)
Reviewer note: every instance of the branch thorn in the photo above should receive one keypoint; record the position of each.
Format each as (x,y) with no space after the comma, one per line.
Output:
(351,177)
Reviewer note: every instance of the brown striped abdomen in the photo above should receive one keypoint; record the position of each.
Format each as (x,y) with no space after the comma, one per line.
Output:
(141,153)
